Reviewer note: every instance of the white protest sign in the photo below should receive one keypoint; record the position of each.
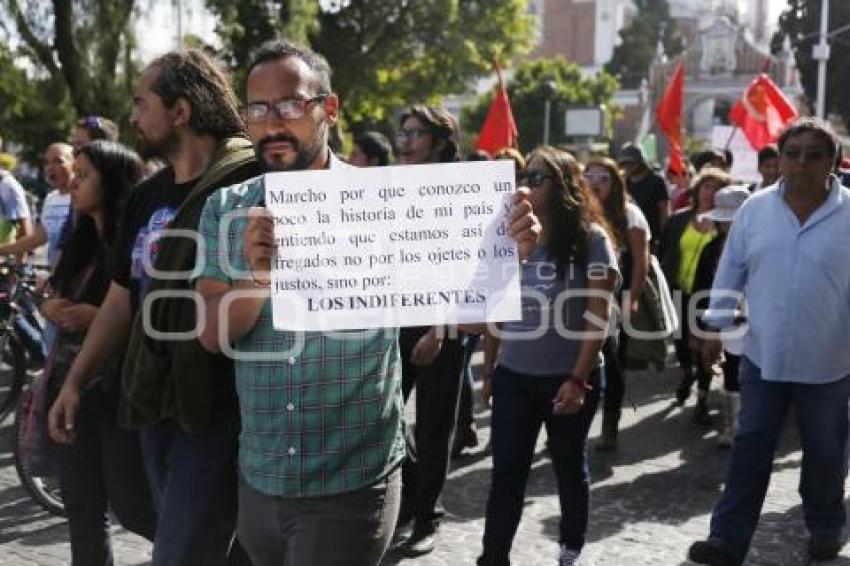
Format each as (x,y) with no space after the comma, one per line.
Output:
(745,162)
(393,246)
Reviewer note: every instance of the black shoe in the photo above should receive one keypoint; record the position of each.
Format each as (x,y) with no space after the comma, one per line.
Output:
(824,547)
(701,416)
(684,389)
(711,552)
(401,534)
(465,437)
(422,541)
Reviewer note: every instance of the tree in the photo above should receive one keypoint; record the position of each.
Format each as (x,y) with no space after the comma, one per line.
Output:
(33,112)
(639,41)
(528,90)
(245,25)
(83,45)
(386,53)
(801,22)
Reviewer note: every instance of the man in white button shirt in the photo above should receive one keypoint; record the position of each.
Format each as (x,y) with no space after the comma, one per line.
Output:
(789,253)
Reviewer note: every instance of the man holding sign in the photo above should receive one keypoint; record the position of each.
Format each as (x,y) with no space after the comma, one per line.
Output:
(321,440)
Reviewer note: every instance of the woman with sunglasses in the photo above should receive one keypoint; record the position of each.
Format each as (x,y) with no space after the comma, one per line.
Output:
(685,236)
(631,235)
(102,469)
(539,372)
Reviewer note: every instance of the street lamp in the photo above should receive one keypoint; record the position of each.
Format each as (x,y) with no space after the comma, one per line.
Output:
(820,53)
(549,90)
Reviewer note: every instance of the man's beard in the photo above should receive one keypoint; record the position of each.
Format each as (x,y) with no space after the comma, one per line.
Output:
(150,148)
(304,155)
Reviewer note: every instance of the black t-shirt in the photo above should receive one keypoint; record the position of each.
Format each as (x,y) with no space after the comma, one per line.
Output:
(150,209)
(648,193)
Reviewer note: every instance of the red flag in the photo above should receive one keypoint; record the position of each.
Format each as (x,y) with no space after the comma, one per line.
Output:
(669,116)
(762,112)
(499,130)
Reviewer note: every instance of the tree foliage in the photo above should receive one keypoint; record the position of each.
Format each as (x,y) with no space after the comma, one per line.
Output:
(528,89)
(801,22)
(74,59)
(33,112)
(639,41)
(386,53)
(245,25)
(84,44)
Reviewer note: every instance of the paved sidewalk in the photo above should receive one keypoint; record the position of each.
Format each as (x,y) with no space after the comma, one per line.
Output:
(651,499)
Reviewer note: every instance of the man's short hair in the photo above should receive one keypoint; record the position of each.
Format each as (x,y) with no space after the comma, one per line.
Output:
(276,49)
(66,150)
(375,145)
(442,126)
(706,157)
(767,153)
(98,128)
(193,76)
(810,124)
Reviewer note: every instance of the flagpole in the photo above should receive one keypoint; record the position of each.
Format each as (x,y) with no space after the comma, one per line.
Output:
(820,53)
(731,136)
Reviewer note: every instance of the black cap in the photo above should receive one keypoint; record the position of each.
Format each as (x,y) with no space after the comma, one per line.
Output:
(633,153)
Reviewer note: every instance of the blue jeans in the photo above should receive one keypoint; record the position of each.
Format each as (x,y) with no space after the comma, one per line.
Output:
(194,483)
(102,470)
(521,405)
(822,421)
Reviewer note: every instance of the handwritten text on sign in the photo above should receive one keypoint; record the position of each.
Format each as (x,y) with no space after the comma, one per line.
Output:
(393,246)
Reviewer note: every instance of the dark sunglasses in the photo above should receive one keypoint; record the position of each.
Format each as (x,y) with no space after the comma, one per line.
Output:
(533,179)
(809,154)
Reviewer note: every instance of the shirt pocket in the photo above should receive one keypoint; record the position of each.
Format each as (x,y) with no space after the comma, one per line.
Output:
(829,258)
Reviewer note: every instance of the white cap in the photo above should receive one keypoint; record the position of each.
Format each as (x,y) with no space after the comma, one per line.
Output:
(727,201)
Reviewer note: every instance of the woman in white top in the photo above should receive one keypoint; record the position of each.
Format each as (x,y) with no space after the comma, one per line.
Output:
(632,235)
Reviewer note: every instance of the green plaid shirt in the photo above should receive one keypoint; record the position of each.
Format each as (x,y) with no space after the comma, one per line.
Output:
(325,416)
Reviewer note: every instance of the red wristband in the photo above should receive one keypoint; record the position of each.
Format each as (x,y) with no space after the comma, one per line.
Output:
(580,382)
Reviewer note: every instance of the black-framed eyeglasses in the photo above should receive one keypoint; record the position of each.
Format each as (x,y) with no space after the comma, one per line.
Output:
(286,109)
(809,154)
(412,134)
(533,179)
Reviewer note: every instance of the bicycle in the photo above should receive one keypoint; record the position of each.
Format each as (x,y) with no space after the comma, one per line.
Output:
(19,296)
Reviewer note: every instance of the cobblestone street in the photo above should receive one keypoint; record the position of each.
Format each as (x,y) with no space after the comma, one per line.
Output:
(651,499)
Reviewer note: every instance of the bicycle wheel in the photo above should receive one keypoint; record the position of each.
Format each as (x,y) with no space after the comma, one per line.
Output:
(13,374)
(44,489)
